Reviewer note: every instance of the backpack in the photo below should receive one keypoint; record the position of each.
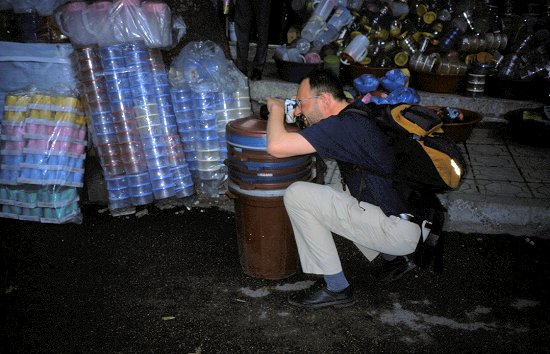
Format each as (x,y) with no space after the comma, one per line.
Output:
(425,158)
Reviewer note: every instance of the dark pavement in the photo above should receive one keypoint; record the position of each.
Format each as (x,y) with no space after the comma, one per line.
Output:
(171,282)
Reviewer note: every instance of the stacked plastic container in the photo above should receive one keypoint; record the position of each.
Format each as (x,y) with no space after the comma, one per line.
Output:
(133,124)
(201,119)
(231,106)
(197,127)
(42,157)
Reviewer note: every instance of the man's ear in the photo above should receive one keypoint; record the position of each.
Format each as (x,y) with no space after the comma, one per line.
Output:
(325,98)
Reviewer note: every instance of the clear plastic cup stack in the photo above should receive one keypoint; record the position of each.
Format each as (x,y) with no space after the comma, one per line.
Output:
(231,106)
(146,109)
(183,183)
(184,110)
(134,124)
(101,125)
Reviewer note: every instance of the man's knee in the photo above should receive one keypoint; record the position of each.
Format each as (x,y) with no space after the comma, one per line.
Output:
(294,192)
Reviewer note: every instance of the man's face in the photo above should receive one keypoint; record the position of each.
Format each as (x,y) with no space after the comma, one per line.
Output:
(308,104)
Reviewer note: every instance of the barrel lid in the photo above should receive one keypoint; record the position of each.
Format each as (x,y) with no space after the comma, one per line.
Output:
(243,154)
(252,126)
(256,192)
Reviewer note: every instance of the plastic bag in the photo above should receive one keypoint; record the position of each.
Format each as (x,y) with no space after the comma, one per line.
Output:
(398,95)
(202,66)
(133,125)
(366,83)
(105,23)
(42,152)
(44,66)
(394,79)
(43,7)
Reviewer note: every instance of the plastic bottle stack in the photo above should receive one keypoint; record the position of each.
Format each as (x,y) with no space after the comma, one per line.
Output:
(184,111)
(132,154)
(11,145)
(42,158)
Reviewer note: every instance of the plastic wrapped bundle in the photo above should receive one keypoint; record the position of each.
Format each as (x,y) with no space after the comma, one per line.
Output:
(42,151)
(133,124)
(208,91)
(104,23)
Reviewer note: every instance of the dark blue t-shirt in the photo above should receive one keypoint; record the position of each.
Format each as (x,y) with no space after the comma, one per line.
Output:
(353,139)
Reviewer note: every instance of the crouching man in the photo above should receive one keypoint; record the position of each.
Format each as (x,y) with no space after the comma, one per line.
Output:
(370,212)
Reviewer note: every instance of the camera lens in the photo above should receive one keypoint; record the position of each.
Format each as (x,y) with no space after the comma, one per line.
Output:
(264,112)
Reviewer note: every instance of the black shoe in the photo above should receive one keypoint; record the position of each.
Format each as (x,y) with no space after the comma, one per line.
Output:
(316,299)
(395,269)
(256,75)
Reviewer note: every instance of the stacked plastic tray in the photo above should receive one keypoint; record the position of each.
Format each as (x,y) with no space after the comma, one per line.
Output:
(42,157)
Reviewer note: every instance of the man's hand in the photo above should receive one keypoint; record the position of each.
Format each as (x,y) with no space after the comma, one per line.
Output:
(280,142)
(276,108)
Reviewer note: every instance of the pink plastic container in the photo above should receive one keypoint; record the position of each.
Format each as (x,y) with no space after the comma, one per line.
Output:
(76,148)
(13,130)
(32,128)
(60,146)
(37,144)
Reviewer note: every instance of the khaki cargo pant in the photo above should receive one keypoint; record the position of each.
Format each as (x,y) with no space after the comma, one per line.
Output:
(316,211)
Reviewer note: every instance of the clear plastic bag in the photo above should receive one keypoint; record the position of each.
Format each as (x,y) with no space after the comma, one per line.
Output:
(202,66)
(43,7)
(106,23)
(42,152)
(45,66)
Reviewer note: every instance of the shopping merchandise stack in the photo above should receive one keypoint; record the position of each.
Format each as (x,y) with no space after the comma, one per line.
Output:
(201,119)
(42,152)
(231,106)
(133,124)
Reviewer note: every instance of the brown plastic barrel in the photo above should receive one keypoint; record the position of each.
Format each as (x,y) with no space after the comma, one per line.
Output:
(267,248)
(266,244)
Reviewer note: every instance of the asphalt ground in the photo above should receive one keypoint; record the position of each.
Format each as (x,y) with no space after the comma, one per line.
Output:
(171,282)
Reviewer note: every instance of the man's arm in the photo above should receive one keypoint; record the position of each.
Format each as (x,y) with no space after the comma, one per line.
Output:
(281,143)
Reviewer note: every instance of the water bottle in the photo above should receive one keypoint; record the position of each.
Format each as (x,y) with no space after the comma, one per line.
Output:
(313,27)
(323,9)
(302,45)
(328,35)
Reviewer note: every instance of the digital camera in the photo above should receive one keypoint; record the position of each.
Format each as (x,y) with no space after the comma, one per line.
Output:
(290,106)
